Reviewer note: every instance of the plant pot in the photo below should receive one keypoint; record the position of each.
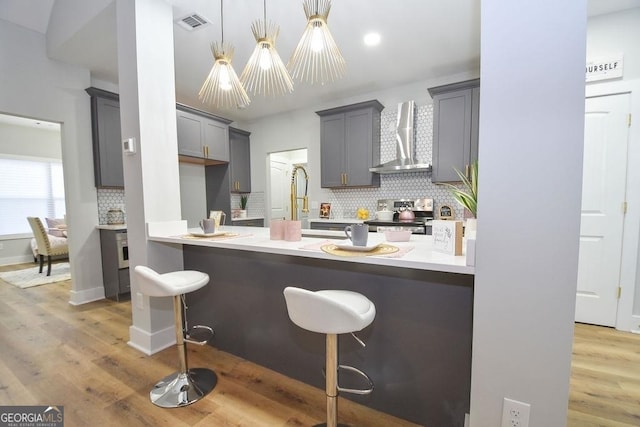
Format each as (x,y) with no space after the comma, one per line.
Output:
(470,228)
(242,213)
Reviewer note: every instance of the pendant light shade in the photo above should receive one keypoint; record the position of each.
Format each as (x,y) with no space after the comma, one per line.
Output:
(265,72)
(222,88)
(317,58)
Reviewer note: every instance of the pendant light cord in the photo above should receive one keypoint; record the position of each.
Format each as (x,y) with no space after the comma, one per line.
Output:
(264,8)
(222,23)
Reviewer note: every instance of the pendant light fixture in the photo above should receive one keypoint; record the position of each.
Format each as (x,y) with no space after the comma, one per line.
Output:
(317,58)
(265,72)
(222,88)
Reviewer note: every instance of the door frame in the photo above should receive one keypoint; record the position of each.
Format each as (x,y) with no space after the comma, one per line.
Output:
(630,260)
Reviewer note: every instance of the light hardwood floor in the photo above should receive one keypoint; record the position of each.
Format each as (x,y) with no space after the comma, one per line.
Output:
(53,353)
(605,378)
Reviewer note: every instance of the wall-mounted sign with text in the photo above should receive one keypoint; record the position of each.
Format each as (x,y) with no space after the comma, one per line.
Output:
(604,68)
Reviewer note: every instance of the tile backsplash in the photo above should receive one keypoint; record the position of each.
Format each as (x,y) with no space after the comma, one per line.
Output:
(110,198)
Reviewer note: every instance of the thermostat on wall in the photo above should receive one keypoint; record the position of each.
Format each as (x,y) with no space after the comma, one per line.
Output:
(129,145)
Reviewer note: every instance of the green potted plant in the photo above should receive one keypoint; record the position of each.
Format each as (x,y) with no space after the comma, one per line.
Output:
(243,206)
(467,194)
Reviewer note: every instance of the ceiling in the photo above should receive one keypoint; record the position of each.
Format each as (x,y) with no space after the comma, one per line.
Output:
(421,39)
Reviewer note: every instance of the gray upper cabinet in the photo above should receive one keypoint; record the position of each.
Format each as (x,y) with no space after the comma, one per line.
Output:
(240,164)
(455,129)
(202,135)
(107,144)
(350,145)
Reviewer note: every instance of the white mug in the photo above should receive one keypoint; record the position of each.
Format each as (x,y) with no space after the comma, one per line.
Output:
(208,225)
(359,234)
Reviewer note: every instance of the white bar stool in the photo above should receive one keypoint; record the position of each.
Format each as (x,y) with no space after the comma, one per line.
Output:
(332,312)
(187,385)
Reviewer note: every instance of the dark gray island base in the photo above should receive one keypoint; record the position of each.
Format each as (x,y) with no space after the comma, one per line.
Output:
(418,347)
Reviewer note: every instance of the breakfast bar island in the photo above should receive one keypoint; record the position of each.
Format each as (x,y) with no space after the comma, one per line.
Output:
(418,348)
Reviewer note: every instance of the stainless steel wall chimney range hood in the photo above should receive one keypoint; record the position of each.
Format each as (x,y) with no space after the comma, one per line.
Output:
(405,150)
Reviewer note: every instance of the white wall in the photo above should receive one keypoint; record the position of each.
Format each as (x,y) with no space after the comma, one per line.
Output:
(28,141)
(616,33)
(34,86)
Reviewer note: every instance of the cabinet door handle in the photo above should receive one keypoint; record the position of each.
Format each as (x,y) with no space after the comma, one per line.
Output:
(467,173)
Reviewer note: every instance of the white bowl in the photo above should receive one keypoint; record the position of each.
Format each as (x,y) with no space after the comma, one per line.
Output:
(397,235)
(384,215)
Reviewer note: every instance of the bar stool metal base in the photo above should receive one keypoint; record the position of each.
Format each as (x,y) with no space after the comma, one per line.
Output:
(182,389)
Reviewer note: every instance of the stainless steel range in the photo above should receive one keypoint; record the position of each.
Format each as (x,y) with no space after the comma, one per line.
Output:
(422,210)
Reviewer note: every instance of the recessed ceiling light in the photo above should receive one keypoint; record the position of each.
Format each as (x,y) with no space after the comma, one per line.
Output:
(372,39)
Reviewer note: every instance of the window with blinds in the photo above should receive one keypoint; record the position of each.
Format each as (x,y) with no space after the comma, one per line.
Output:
(29,187)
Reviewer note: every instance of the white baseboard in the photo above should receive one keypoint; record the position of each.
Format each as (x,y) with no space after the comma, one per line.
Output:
(635,322)
(151,343)
(21,259)
(86,295)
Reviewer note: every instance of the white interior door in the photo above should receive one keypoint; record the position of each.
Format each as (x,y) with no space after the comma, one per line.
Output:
(279,200)
(602,219)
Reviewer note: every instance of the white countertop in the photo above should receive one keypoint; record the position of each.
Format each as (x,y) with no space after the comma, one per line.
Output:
(115,227)
(256,239)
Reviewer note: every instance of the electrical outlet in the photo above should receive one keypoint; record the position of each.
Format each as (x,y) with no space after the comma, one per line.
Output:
(140,301)
(515,414)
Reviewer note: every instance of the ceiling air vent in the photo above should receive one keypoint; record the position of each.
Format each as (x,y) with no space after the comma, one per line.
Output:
(192,22)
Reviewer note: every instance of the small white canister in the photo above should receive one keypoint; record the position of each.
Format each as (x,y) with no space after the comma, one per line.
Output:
(115,216)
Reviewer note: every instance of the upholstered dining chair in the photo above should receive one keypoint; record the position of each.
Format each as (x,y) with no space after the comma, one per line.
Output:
(45,247)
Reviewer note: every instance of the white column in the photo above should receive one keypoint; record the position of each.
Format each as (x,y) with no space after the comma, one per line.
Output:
(152,183)
(530,167)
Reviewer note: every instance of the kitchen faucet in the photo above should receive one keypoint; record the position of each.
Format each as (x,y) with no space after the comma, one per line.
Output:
(294,192)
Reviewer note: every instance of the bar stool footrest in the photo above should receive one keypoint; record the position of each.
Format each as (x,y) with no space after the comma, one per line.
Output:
(199,335)
(364,391)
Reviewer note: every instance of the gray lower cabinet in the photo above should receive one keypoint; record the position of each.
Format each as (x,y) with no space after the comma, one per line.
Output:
(116,280)
(455,129)
(350,145)
(107,143)
(202,135)
(240,160)
(252,222)
(330,226)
